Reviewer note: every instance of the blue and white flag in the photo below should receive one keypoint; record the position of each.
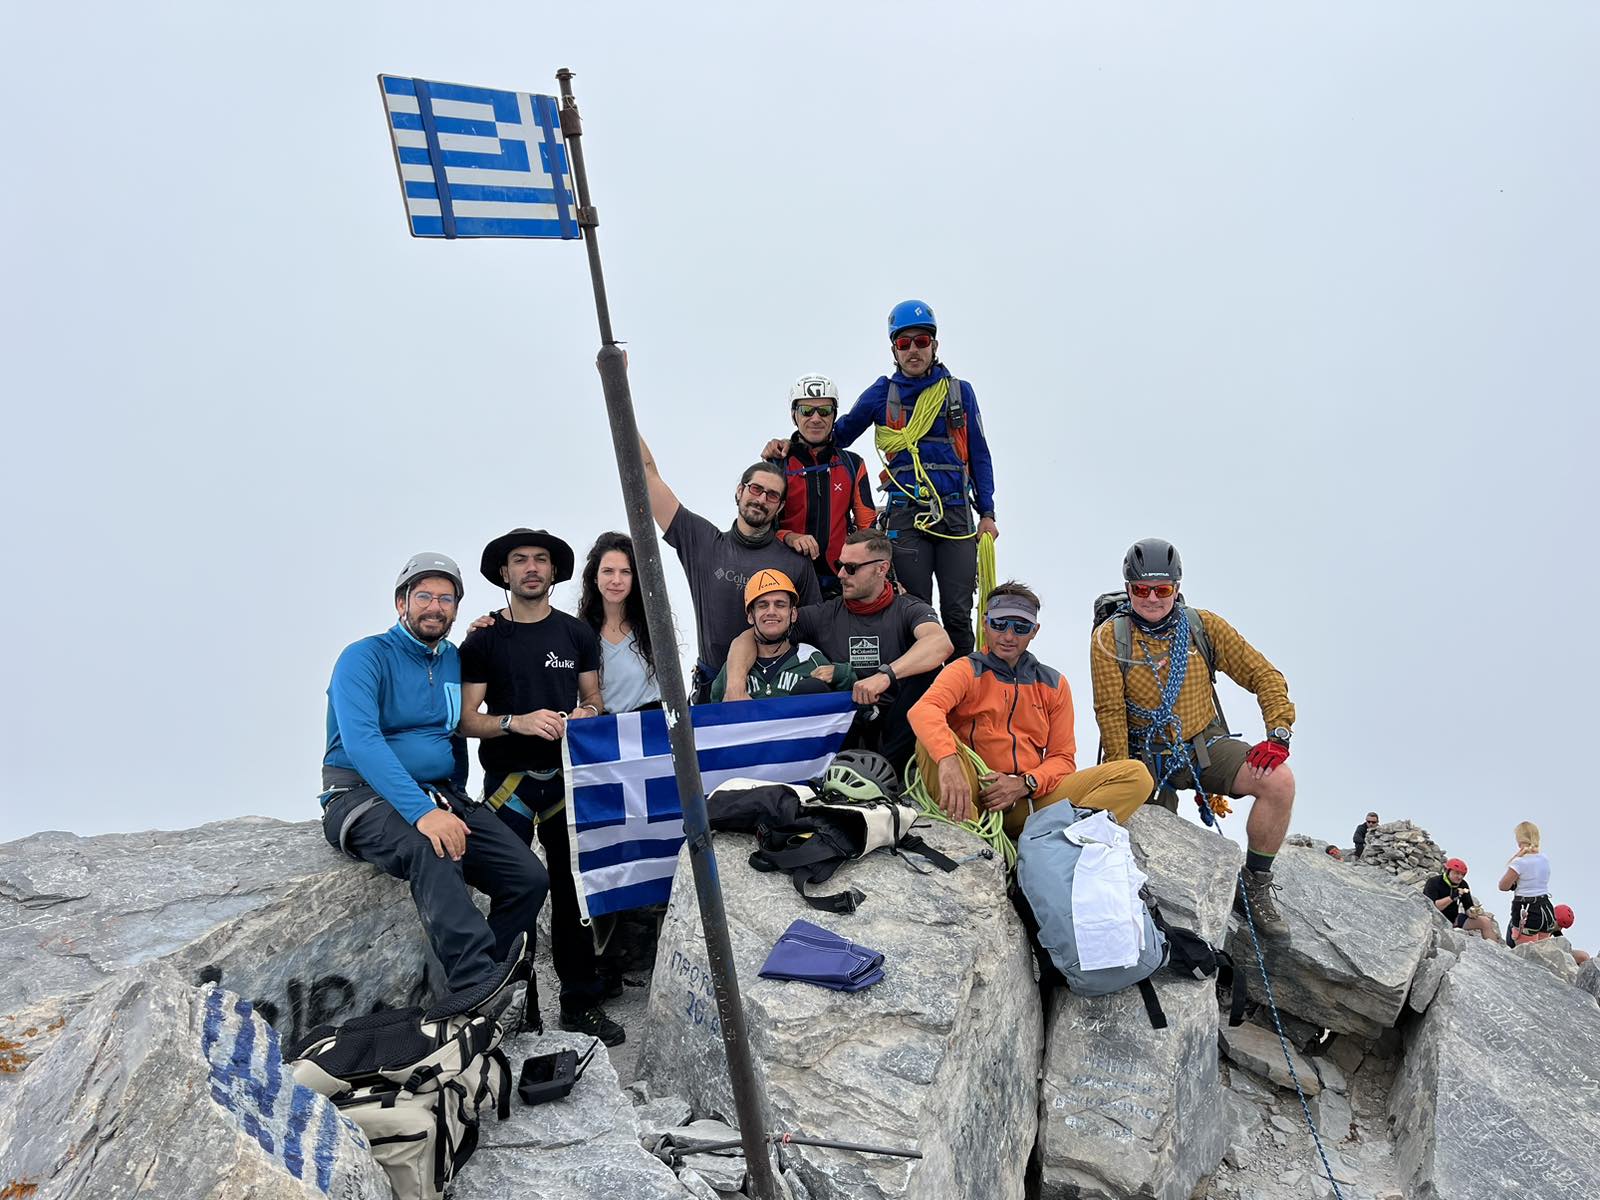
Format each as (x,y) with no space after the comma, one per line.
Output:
(477,162)
(622,796)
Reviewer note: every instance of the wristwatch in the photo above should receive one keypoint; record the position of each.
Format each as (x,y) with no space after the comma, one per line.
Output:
(1280,734)
(505,723)
(1032,784)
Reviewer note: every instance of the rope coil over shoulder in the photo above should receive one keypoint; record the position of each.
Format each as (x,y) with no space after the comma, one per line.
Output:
(931,401)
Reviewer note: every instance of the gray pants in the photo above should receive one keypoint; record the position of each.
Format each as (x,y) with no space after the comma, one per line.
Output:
(920,559)
(496,863)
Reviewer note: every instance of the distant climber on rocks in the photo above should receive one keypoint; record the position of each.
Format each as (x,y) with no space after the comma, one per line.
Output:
(1015,713)
(1450,895)
(1527,877)
(1564,919)
(1362,830)
(1153,665)
(394,778)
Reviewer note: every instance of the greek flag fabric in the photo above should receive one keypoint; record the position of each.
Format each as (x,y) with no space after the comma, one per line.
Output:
(622,796)
(477,162)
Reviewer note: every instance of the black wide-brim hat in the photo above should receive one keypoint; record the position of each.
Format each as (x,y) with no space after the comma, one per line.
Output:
(497,551)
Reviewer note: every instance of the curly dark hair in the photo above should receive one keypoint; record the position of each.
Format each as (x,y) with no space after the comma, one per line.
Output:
(592,606)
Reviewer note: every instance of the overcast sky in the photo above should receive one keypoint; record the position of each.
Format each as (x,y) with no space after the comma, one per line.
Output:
(1309,290)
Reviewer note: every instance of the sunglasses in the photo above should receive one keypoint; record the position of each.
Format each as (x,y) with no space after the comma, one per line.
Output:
(814,410)
(1017,625)
(1143,591)
(920,340)
(851,568)
(755,489)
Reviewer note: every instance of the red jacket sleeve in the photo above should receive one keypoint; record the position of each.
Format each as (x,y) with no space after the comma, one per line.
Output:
(863,513)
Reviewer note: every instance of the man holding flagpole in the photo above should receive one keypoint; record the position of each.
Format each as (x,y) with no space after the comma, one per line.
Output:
(534,668)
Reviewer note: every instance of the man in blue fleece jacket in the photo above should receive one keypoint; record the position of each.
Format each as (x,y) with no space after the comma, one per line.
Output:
(394,777)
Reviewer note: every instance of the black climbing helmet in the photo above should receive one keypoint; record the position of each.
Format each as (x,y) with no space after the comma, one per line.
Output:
(863,775)
(1152,558)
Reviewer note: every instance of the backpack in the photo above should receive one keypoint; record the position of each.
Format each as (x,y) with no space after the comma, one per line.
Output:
(1113,607)
(829,832)
(751,805)
(955,421)
(415,1086)
(1190,955)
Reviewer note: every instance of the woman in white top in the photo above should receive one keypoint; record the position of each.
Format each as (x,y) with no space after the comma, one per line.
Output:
(613,607)
(1528,876)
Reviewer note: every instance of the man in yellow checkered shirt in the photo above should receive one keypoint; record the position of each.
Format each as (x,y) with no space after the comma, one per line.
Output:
(1171,722)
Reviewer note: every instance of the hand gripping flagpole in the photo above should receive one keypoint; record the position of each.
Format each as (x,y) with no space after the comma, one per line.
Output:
(749,1102)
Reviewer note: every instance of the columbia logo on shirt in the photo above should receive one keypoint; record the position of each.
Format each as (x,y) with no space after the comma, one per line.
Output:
(551,662)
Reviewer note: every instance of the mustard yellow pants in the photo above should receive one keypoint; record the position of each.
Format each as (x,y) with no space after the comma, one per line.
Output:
(1118,787)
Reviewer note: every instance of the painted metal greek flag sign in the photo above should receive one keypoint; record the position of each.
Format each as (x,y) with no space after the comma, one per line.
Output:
(477,162)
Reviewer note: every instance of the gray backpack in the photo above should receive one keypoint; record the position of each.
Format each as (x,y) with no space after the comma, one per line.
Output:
(1046,864)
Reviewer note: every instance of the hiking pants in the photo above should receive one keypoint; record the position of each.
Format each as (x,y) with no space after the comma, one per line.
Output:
(1118,787)
(468,947)
(890,734)
(571,942)
(920,559)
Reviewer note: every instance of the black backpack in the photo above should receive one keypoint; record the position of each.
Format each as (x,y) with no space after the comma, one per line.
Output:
(1191,956)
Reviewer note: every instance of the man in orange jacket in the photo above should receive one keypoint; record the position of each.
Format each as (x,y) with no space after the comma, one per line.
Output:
(1016,714)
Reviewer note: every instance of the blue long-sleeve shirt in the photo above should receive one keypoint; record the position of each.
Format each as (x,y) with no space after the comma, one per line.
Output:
(393,707)
(939,459)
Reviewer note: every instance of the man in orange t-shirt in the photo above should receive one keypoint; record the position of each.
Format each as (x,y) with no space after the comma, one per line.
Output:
(1016,714)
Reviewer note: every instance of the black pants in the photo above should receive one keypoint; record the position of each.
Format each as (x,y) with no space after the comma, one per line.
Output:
(496,863)
(571,942)
(890,732)
(920,559)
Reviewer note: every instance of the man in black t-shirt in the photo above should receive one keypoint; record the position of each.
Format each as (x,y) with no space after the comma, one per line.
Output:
(719,562)
(893,641)
(534,668)
(1449,893)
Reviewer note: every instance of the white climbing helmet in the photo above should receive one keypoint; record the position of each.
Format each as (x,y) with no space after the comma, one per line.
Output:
(813,387)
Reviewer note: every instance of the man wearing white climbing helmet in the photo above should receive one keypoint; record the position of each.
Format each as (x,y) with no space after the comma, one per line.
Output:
(783,667)
(938,478)
(828,494)
(394,777)
(1015,714)
(1153,664)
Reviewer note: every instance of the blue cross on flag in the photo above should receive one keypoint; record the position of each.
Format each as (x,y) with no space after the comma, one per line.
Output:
(476,162)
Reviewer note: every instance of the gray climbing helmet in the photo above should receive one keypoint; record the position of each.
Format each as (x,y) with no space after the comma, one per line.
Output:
(1152,558)
(861,775)
(420,566)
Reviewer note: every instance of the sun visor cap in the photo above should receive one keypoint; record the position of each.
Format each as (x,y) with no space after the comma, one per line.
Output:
(1009,605)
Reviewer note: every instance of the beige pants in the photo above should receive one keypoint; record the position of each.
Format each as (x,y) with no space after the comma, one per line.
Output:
(1118,787)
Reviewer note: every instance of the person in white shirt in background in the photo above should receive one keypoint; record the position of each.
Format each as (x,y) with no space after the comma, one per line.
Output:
(1528,877)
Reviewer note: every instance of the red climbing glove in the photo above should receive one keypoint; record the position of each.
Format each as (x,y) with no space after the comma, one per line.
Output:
(1267,755)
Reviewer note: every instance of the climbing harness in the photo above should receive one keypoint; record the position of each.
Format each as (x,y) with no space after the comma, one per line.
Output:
(930,403)
(1162,726)
(1283,1041)
(986,582)
(990,826)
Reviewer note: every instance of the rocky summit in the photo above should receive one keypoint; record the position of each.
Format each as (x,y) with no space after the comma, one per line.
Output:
(155,978)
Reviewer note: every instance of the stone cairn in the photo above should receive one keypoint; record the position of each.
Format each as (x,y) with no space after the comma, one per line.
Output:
(1404,850)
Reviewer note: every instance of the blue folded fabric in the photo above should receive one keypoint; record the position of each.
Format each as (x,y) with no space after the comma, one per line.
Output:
(807,953)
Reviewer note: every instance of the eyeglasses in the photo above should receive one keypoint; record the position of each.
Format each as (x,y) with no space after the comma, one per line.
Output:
(1160,591)
(1017,625)
(755,489)
(920,340)
(814,410)
(427,598)
(846,568)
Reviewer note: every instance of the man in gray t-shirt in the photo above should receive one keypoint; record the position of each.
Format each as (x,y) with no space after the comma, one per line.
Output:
(718,562)
(894,642)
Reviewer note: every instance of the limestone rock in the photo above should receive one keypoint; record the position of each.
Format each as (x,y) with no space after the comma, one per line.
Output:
(264,907)
(1347,1052)
(1257,1049)
(1356,939)
(1425,985)
(1331,1112)
(1495,1096)
(1550,955)
(1403,850)
(1589,978)
(163,1089)
(941,1055)
(1192,869)
(1127,1110)
(583,1147)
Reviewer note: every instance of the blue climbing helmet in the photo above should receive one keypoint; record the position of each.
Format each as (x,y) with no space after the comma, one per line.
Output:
(911,314)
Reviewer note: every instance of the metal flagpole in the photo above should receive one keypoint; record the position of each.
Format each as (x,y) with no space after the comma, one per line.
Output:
(749,1102)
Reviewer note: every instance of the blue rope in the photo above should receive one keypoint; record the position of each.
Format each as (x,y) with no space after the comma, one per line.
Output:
(1162,724)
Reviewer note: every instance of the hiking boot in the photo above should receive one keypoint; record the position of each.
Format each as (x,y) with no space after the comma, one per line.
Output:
(1258,888)
(594,1022)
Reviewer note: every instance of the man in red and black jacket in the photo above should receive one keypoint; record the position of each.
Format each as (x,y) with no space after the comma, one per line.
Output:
(829,494)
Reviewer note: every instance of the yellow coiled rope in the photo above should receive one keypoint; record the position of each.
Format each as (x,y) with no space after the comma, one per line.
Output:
(895,441)
(990,826)
(986,582)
